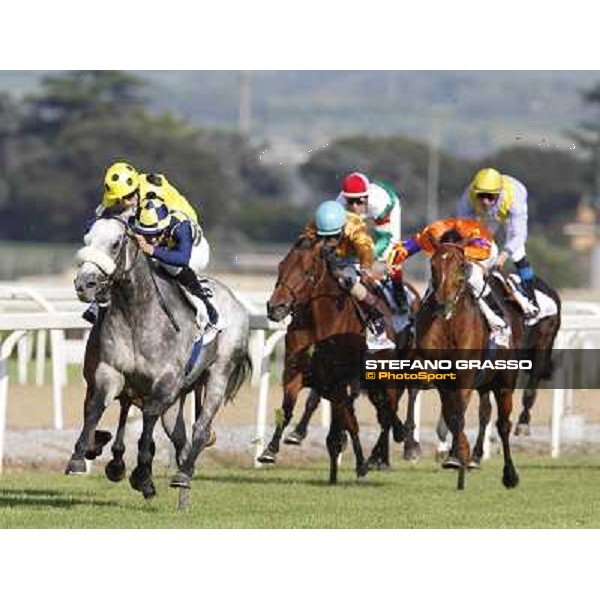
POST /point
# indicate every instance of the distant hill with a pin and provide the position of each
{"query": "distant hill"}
(477, 111)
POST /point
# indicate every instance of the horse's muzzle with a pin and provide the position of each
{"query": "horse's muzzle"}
(277, 312)
(87, 285)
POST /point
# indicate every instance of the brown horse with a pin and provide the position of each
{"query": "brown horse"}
(539, 341)
(336, 330)
(298, 344)
(450, 321)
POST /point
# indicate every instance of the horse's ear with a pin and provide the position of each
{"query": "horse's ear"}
(431, 239)
(304, 243)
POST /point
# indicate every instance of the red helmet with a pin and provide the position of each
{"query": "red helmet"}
(355, 185)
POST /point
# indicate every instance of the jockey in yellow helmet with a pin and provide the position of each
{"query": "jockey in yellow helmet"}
(501, 201)
(124, 187)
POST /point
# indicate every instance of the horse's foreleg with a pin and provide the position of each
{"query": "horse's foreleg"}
(510, 478)
(107, 386)
(115, 468)
(412, 448)
(380, 454)
(351, 425)
(290, 394)
(297, 436)
(454, 405)
(141, 477)
(334, 440)
(441, 430)
(485, 414)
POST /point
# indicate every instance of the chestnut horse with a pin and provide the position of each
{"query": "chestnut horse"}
(450, 321)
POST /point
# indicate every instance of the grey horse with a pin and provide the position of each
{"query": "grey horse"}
(145, 343)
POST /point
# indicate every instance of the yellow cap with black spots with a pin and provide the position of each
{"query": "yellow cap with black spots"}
(121, 180)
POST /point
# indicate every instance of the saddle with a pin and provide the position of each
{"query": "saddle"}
(511, 285)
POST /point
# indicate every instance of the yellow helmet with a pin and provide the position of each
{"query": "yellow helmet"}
(121, 179)
(487, 181)
(152, 217)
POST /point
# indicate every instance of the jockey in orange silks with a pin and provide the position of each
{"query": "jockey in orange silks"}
(481, 252)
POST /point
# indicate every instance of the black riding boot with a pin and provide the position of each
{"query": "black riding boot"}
(376, 319)
(400, 295)
(189, 280)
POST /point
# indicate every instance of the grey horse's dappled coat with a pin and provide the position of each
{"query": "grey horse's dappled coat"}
(146, 347)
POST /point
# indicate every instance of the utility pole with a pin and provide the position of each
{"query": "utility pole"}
(245, 102)
(433, 172)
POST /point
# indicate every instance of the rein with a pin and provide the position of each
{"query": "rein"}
(161, 300)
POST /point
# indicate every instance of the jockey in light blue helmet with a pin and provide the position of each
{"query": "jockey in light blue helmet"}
(330, 218)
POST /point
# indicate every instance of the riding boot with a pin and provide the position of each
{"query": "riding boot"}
(376, 319)
(527, 276)
(400, 294)
(189, 280)
(529, 290)
(494, 315)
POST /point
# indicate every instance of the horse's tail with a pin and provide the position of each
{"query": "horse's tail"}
(241, 372)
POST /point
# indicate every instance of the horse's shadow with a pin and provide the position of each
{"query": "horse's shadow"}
(283, 480)
(14, 498)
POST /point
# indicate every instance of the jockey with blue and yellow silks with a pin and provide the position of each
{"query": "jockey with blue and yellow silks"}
(379, 204)
(501, 201)
(171, 238)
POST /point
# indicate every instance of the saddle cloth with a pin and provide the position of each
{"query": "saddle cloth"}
(202, 316)
(400, 321)
(547, 305)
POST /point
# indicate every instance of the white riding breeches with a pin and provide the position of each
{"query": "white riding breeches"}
(198, 259)
(478, 270)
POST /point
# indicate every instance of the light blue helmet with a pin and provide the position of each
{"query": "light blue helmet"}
(330, 218)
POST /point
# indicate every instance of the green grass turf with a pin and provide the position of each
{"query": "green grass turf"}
(562, 493)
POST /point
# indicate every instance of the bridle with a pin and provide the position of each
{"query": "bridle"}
(448, 306)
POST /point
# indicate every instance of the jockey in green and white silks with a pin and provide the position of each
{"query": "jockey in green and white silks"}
(377, 202)
(501, 201)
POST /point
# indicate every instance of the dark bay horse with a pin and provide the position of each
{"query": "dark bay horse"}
(338, 339)
(451, 321)
(292, 295)
(146, 348)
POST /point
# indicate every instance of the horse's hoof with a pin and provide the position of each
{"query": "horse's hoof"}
(522, 429)
(294, 439)
(412, 452)
(115, 470)
(139, 480)
(212, 438)
(181, 480)
(148, 489)
(399, 433)
(451, 463)
(76, 466)
(268, 457)
(510, 478)
(474, 465)
(101, 438)
(362, 470)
